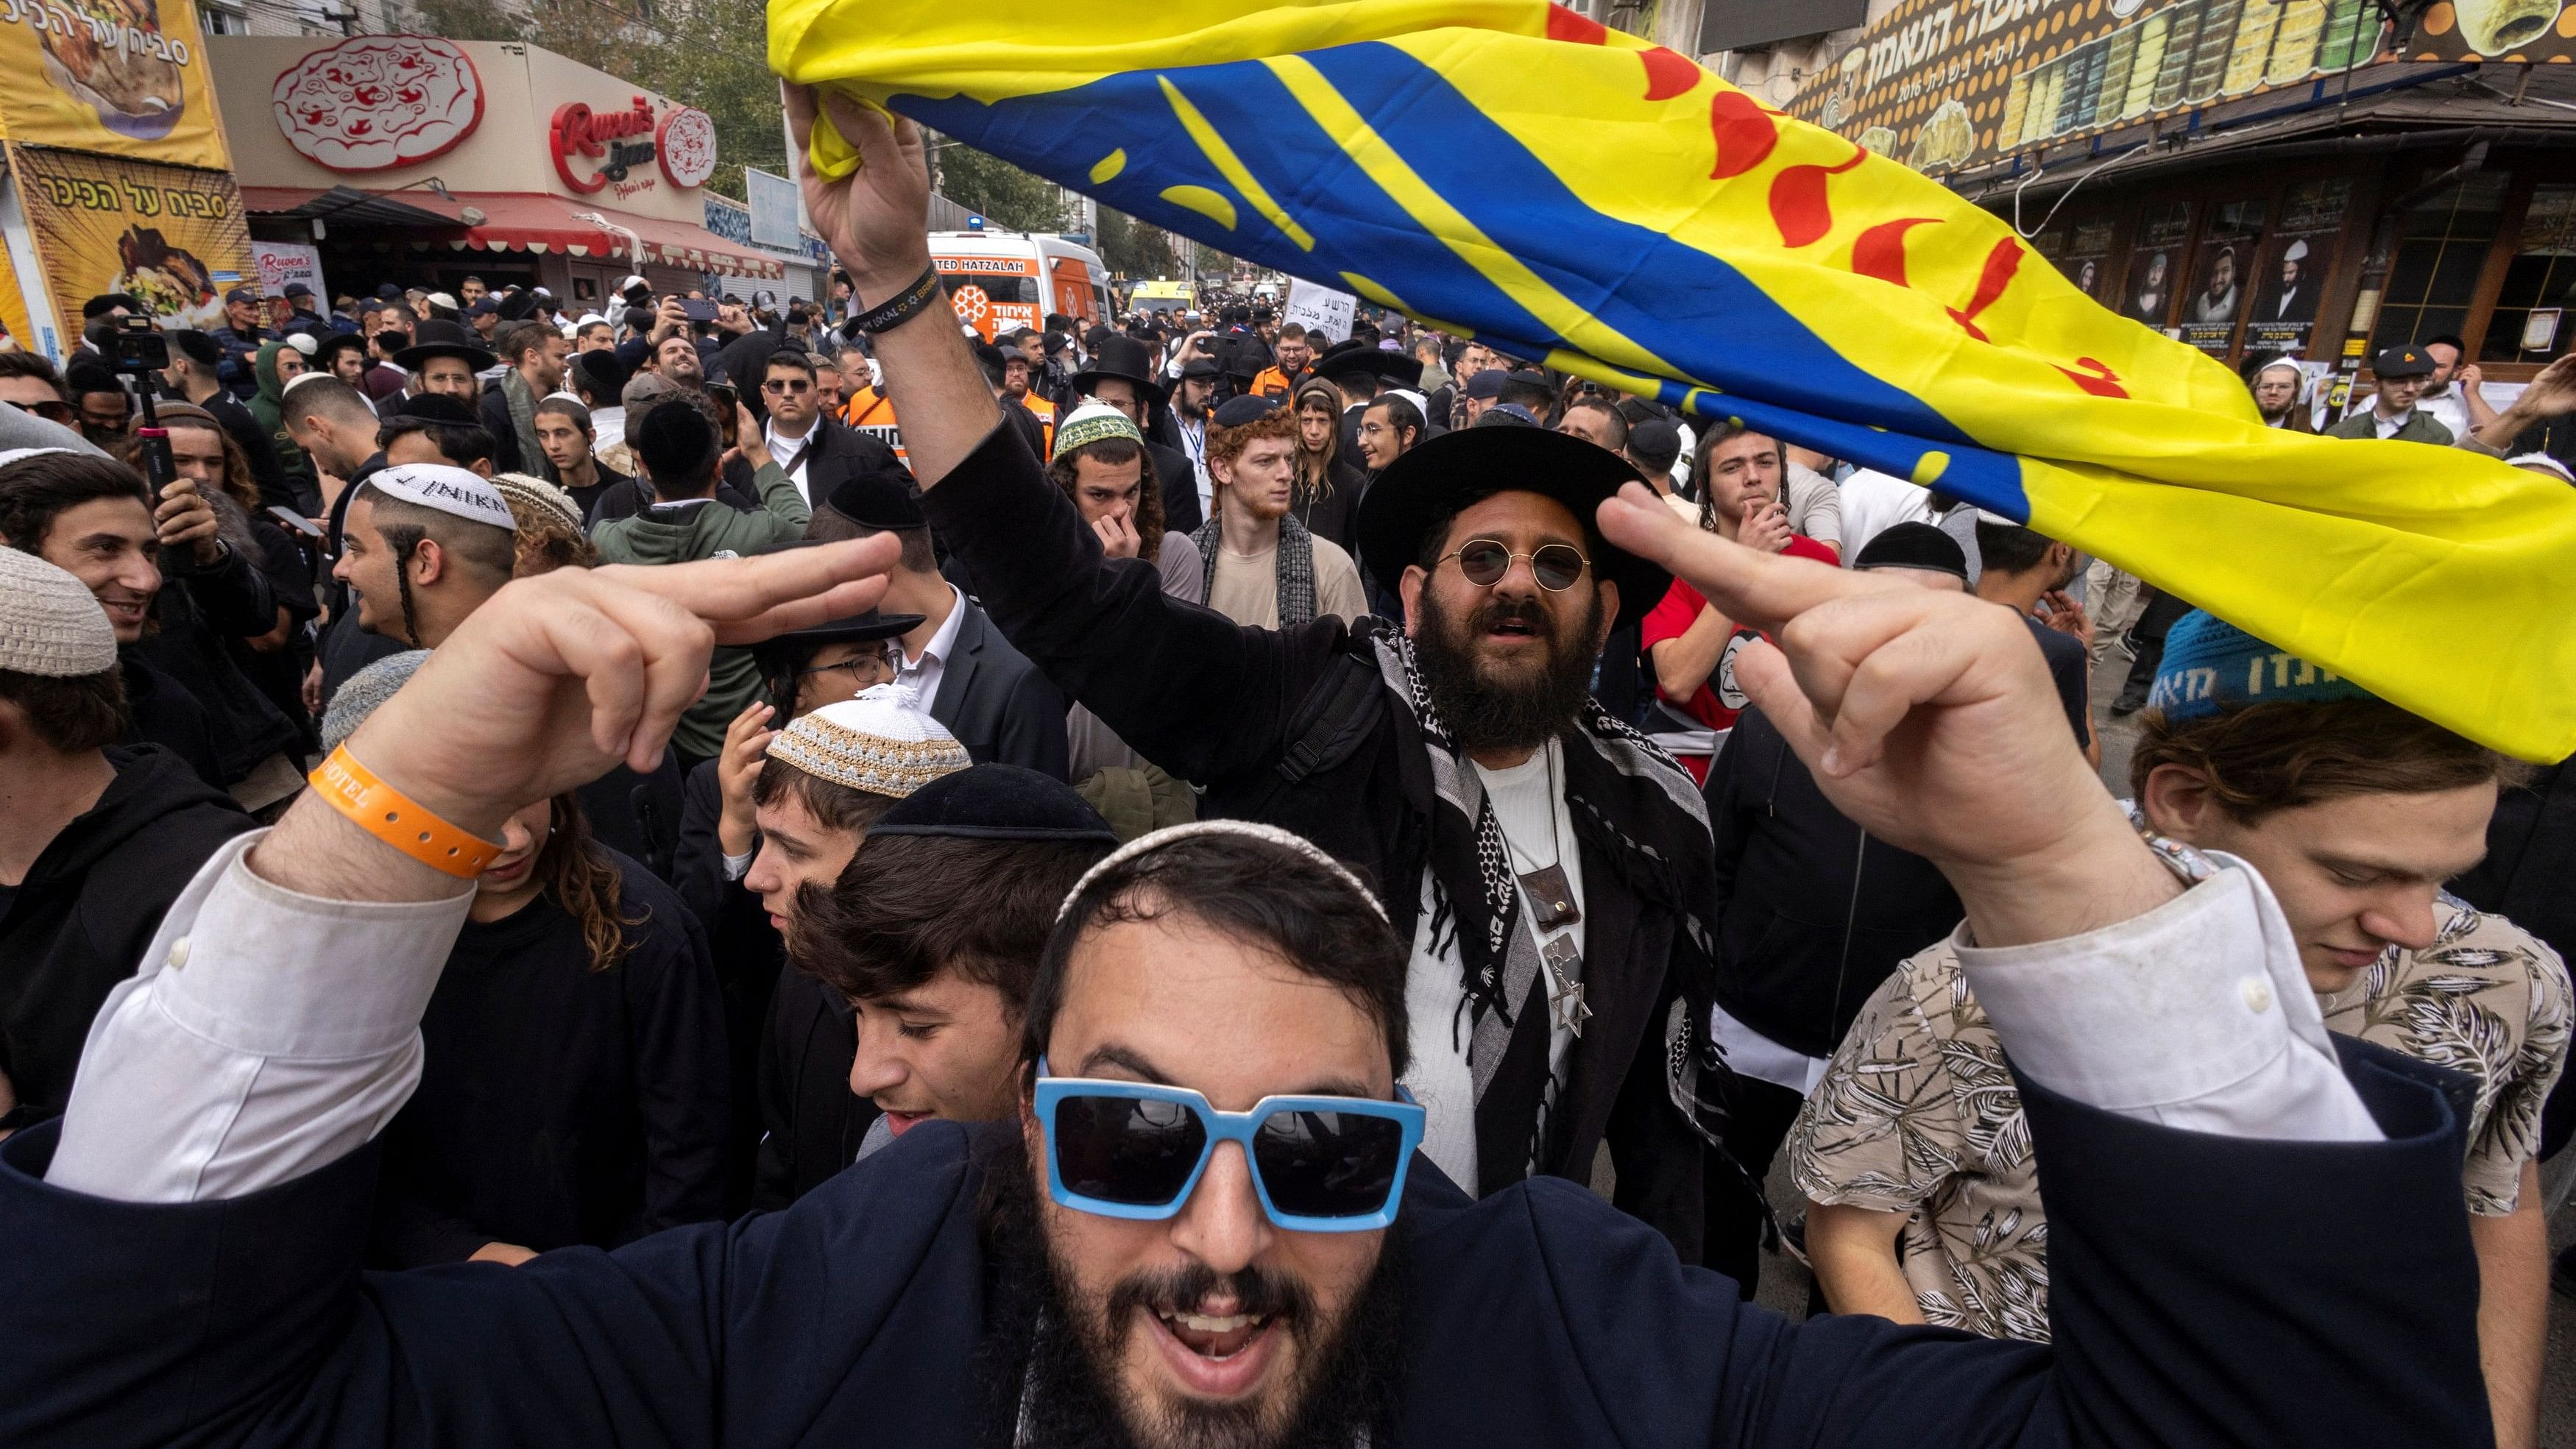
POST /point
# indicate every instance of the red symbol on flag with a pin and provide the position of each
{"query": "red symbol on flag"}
(2101, 381)
(1798, 205)
(1564, 24)
(1745, 134)
(1668, 73)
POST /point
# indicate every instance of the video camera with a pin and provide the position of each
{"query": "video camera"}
(137, 346)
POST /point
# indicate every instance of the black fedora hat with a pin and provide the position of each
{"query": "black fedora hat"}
(1343, 359)
(1123, 357)
(1449, 472)
(439, 338)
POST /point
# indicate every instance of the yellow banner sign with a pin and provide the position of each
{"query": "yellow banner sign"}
(170, 236)
(128, 77)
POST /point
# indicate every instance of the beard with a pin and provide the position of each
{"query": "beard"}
(1520, 711)
(1051, 1361)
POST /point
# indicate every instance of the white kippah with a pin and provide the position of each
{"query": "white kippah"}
(882, 742)
(1242, 829)
(1420, 403)
(539, 494)
(298, 380)
(451, 490)
(50, 623)
(12, 455)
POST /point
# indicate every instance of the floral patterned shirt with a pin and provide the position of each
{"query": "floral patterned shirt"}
(1918, 1114)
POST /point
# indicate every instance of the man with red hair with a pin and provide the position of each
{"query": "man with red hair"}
(1263, 567)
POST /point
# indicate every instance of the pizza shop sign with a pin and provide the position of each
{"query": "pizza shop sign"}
(597, 149)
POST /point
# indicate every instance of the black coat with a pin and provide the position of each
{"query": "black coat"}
(1814, 913)
(837, 454)
(201, 612)
(747, 952)
(80, 921)
(1179, 483)
(2194, 1298)
(558, 1104)
(997, 703)
(507, 456)
(811, 1122)
(1220, 705)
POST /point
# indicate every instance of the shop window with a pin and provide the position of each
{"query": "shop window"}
(2539, 290)
(2442, 245)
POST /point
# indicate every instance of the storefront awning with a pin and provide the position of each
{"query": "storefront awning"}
(510, 221)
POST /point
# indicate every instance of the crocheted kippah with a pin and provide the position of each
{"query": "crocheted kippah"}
(536, 493)
(882, 742)
(1090, 423)
(2210, 665)
(360, 694)
(50, 623)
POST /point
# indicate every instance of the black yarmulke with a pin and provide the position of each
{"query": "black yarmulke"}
(674, 441)
(1240, 410)
(1913, 545)
(996, 802)
(882, 497)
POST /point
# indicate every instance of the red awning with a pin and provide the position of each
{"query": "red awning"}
(537, 222)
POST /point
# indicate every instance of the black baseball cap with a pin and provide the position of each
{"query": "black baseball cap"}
(2404, 362)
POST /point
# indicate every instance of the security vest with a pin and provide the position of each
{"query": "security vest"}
(868, 412)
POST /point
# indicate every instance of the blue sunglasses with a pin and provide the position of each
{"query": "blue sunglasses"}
(1137, 1150)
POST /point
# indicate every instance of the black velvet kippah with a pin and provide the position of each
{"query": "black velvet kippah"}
(1913, 545)
(996, 802)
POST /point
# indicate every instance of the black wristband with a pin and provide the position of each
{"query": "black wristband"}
(902, 308)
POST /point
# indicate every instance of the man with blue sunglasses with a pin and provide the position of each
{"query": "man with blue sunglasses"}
(1210, 1232)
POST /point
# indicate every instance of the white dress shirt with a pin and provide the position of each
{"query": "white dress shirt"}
(789, 453)
(922, 675)
(268, 1033)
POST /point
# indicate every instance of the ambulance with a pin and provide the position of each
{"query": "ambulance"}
(1164, 297)
(1001, 281)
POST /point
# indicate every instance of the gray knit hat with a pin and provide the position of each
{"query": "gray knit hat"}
(646, 389)
(50, 623)
(359, 694)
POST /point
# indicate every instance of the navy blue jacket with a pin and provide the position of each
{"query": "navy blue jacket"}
(2205, 1291)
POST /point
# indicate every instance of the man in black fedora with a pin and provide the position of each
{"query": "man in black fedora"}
(1121, 374)
(1550, 869)
(1362, 370)
(445, 359)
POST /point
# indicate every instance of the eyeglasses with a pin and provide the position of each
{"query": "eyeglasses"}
(1485, 560)
(859, 666)
(792, 386)
(1136, 1150)
(52, 410)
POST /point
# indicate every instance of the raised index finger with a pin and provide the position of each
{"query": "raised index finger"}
(1764, 590)
(758, 596)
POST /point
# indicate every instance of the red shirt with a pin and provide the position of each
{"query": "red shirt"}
(1717, 702)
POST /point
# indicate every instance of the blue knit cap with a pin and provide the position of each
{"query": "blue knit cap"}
(2211, 665)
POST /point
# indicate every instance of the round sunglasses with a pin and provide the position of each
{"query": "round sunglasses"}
(1137, 1150)
(1485, 560)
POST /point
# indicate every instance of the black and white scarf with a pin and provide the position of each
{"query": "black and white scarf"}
(1295, 568)
(1658, 853)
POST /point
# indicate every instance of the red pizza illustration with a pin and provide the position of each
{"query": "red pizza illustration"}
(378, 101)
(687, 144)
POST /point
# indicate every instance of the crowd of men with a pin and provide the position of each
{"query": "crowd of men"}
(1374, 752)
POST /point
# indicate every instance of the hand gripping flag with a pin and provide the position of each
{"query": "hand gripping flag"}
(1509, 170)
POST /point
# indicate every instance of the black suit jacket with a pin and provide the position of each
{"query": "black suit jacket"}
(2206, 1291)
(996, 702)
(837, 454)
(1179, 483)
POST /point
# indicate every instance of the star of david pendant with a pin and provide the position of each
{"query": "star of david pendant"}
(1564, 987)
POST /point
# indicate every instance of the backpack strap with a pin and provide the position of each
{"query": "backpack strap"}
(1336, 715)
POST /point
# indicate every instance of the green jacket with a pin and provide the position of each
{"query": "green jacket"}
(686, 532)
(2421, 427)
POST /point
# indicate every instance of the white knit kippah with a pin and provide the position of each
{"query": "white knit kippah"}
(458, 492)
(882, 742)
(360, 694)
(50, 623)
(1288, 840)
(539, 494)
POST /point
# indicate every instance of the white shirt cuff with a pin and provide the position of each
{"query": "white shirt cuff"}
(738, 866)
(2195, 1015)
(266, 1033)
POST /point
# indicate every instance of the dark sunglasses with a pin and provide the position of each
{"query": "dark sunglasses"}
(792, 386)
(1485, 560)
(52, 410)
(1136, 1150)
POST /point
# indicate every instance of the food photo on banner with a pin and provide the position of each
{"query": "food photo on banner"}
(170, 235)
(124, 77)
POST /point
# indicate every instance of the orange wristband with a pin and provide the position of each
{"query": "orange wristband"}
(399, 821)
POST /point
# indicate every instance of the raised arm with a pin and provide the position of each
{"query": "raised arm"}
(1182, 685)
